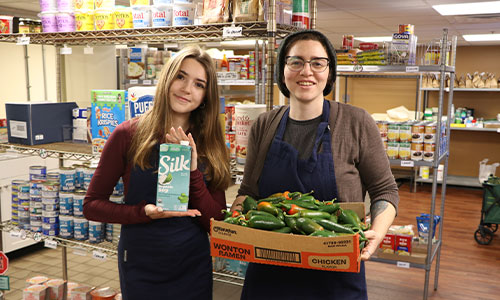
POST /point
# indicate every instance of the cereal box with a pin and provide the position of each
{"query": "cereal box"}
(140, 99)
(108, 111)
(173, 177)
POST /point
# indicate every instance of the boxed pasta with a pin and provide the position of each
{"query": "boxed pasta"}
(108, 111)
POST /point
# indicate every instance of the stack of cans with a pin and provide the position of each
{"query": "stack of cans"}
(35, 205)
(21, 204)
(113, 230)
(50, 208)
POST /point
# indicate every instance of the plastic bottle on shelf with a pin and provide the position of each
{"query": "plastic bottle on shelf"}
(224, 65)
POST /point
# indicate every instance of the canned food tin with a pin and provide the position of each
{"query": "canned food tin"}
(67, 178)
(52, 176)
(393, 132)
(383, 128)
(119, 188)
(109, 232)
(50, 207)
(50, 189)
(23, 203)
(116, 199)
(35, 217)
(404, 151)
(417, 133)
(50, 229)
(50, 220)
(405, 132)
(393, 150)
(417, 151)
(66, 226)
(66, 204)
(50, 214)
(95, 232)
(36, 187)
(78, 176)
(88, 172)
(81, 229)
(231, 143)
(430, 133)
(429, 150)
(78, 203)
(228, 117)
(17, 182)
(50, 200)
(37, 172)
(36, 227)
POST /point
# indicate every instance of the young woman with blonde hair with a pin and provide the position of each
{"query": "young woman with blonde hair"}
(166, 254)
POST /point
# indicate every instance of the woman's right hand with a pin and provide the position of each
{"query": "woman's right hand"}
(155, 212)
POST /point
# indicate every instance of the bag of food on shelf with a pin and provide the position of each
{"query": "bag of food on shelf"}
(215, 11)
(423, 225)
(245, 10)
(486, 170)
(468, 81)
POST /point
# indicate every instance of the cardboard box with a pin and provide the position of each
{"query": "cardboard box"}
(388, 244)
(107, 112)
(140, 100)
(34, 123)
(418, 254)
(260, 246)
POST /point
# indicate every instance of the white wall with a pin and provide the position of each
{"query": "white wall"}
(83, 73)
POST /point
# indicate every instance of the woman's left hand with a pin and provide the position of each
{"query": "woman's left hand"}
(176, 136)
(374, 239)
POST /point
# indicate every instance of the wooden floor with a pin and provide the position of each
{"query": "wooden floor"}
(467, 269)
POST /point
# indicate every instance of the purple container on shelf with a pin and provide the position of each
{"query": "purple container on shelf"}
(48, 5)
(65, 21)
(49, 22)
(64, 5)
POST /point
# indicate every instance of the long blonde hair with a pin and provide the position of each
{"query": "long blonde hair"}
(204, 122)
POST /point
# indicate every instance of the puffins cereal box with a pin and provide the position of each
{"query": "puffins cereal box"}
(173, 177)
(140, 100)
(108, 111)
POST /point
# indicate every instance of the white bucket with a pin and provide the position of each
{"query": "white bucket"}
(49, 22)
(161, 15)
(246, 114)
(183, 14)
(65, 5)
(48, 5)
(142, 16)
(65, 21)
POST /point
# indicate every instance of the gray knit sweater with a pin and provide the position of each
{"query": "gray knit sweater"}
(360, 161)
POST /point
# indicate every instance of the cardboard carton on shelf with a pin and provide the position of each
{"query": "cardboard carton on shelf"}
(35, 123)
(260, 246)
(418, 254)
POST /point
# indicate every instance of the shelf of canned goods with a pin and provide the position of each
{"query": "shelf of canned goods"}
(192, 33)
(73, 151)
(106, 247)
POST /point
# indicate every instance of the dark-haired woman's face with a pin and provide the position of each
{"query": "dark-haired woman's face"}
(306, 85)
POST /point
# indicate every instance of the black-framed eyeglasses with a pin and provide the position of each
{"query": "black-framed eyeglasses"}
(296, 64)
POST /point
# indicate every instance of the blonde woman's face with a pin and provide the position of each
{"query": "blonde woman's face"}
(189, 87)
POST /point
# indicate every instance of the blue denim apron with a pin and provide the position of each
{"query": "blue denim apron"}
(164, 259)
(283, 170)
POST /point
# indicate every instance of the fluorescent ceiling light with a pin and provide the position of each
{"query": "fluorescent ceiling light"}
(491, 7)
(372, 39)
(481, 37)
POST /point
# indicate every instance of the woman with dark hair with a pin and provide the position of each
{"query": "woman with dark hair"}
(166, 254)
(314, 144)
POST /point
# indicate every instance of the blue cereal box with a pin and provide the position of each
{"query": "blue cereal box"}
(108, 111)
(140, 100)
(173, 177)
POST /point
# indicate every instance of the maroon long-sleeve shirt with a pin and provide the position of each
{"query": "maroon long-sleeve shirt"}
(115, 164)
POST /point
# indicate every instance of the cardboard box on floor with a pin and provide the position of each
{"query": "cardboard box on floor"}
(261, 246)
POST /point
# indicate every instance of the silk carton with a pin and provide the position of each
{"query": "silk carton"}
(173, 177)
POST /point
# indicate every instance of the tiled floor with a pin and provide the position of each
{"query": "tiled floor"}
(38, 260)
